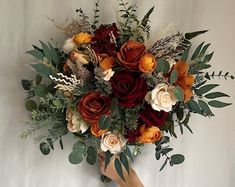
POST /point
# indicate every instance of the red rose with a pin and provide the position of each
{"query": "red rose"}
(152, 117)
(92, 106)
(132, 135)
(129, 88)
(101, 42)
(130, 54)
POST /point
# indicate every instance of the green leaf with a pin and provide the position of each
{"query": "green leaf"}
(145, 20)
(38, 79)
(124, 162)
(166, 150)
(118, 167)
(216, 95)
(206, 88)
(194, 106)
(53, 54)
(61, 144)
(50, 143)
(204, 49)
(91, 155)
(185, 54)
(42, 69)
(205, 108)
(218, 104)
(30, 105)
(46, 50)
(75, 158)
(40, 90)
(177, 159)
(36, 53)
(179, 94)
(192, 35)
(104, 122)
(180, 113)
(174, 76)
(128, 153)
(163, 66)
(164, 164)
(108, 156)
(208, 57)
(44, 148)
(80, 147)
(26, 84)
(197, 51)
(114, 104)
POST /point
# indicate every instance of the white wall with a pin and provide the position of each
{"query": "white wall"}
(210, 151)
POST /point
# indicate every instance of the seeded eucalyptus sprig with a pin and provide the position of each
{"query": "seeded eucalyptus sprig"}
(219, 75)
(96, 15)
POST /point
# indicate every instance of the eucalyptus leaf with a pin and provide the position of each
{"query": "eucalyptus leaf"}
(108, 156)
(26, 84)
(75, 158)
(118, 167)
(164, 164)
(205, 108)
(206, 88)
(36, 53)
(197, 51)
(174, 76)
(177, 159)
(124, 162)
(40, 90)
(185, 54)
(163, 66)
(91, 155)
(128, 153)
(214, 95)
(50, 143)
(179, 94)
(79, 147)
(218, 104)
(180, 113)
(30, 105)
(208, 57)
(192, 35)
(204, 49)
(44, 148)
(42, 69)
(38, 79)
(194, 107)
(104, 122)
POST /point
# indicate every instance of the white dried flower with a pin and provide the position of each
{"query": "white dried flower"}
(69, 45)
(108, 74)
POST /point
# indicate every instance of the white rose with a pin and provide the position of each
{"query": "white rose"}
(75, 123)
(108, 74)
(112, 142)
(69, 45)
(161, 98)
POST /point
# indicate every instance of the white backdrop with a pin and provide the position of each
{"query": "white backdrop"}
(209, 152)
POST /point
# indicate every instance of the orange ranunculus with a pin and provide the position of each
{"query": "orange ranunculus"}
(130, 54)
(185, 80)
(92, 106)
(82, 38)
(147, 63)
(107, 62)
(149, 134)
(96, 131)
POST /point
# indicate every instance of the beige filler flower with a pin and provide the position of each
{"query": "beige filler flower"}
(161, 98)
(112, 142)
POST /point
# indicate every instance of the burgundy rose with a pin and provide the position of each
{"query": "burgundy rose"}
(129, 88)
(152, 117)
(102, 41)
(131, 135)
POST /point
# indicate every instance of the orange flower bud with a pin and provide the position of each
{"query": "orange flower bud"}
(82, 38)
(149, 134)
(96, 131)
(147, 63)
(107, 62)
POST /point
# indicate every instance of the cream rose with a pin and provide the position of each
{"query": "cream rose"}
(69, 45)
(75, 123)
(161, 98)
(112, 142)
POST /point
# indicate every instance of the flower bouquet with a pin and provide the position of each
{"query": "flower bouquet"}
(108, 89)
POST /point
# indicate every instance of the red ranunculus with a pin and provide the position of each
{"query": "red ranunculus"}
(152, 117)
(101, 42)
(129, 88)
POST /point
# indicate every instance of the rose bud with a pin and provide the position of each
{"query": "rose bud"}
(147, 63)
(149, 134)
(82, 38)
(79, 57)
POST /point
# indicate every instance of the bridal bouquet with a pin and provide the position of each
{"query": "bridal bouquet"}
(114, 92)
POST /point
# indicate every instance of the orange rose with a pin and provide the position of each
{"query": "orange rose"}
(82, 38)
(92, 106)
(96, 131)
(185, 80)
(130, 54)
(147, 63)
(149, 134)
(107, 62)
